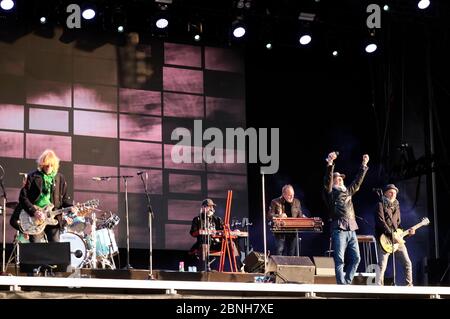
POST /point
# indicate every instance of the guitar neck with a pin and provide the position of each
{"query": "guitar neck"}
(404, 233)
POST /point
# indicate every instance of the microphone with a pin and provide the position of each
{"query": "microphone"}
(101, 178)
(337, 153)
(23, 174)
(140, 172)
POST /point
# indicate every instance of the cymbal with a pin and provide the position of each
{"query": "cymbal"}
(11, 204)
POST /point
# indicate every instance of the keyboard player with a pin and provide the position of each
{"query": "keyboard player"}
(285, 206)
(203, 227)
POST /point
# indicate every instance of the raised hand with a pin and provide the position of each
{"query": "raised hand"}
(331, 157)
(365, 159)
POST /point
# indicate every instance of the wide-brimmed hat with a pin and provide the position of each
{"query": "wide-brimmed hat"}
(208, 202)
(336, 174)
(390, 186)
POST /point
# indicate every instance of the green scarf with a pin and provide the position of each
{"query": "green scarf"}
(45, 197)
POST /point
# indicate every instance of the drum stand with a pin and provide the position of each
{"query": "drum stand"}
(108, 262)
(15, 254)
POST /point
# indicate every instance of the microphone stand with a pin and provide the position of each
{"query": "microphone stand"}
(125, 179)
(392, 242)
(150, 226)
(128, 266)
(4, 224)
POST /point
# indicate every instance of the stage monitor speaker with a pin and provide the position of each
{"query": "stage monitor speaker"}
(254, 262)
(324, 266)
(54, 256)
(292, 269)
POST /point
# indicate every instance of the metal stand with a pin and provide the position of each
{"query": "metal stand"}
(125, 179)
(150, 224)
(128, 266)
(206, 247)
(264, 220)
(15, 254)
(3, 211)
(297, 240)
(94, 241)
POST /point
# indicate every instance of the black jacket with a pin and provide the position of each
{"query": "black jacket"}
(198, 223)
(339, 202)
(388, 217)
(29, 194)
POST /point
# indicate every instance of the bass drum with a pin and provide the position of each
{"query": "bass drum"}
(78, 249)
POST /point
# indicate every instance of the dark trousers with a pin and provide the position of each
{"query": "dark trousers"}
(51, 232)
(286, 244)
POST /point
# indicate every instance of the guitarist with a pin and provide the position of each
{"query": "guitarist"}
(387, 222)
(43, 186)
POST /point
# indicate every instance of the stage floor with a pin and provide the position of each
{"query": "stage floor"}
(107, 284)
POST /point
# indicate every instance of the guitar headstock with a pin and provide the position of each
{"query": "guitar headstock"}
(86, 207)
(425, 221)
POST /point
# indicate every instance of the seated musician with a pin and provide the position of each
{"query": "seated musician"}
(286, 206)
(43, 186)
(205, 220)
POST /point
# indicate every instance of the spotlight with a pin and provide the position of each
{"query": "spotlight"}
(269, 46)
(119, 19)
(239, 32)
(305, 39)
(88, 14)
(43, 20)
(423, 4)
(371, 42)
(306, 19)
(371, 47)
(386, 7)
(7, 4)
(335, 53)
(195, 29)
(161, 17)
(162, 23)
(238, 28)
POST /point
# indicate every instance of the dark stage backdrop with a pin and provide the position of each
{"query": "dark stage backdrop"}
(111, 111)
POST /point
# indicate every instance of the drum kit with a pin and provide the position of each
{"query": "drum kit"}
(92, 240)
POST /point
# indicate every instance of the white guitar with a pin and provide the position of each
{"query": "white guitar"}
(32, 226)
(386, 242)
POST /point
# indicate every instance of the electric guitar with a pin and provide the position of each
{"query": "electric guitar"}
(32, 226)
(386, 242)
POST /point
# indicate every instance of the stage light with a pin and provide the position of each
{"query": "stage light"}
(371, 42)
(306, 19)
(162, 23)
(269, 46)
(423, 4)
(335, 53)
(7, 4)
(305, 39)
(238, 28)
(88, 14)
(120, 28)
(195, 29)
(386, 7)
(371, 47)
(43, 20)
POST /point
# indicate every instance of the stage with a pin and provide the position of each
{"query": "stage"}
(110, 284)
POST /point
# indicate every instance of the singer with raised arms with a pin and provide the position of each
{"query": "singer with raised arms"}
(43, 187)
(338, 198)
